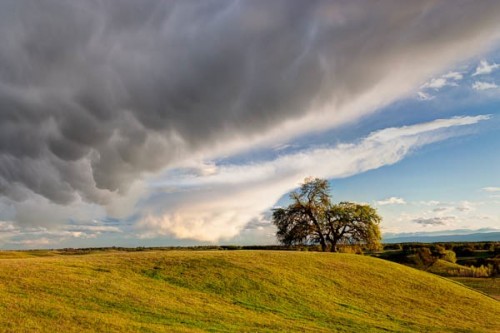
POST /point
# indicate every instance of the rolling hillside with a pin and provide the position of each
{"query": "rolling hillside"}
(232, 291)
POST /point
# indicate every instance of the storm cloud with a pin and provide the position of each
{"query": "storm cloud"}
(96, 94)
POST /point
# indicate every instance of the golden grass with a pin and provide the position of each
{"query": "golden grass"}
(232, 291)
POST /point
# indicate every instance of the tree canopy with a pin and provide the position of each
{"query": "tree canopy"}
(312, 218)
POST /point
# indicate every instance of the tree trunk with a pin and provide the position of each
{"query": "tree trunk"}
(323, 243)
(322, 240)
(334, 245)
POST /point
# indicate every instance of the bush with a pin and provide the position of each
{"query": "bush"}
(478, 272)
(439, 250)
(449, 256)
(422, 258)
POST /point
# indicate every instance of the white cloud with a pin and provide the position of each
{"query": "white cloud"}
(456, 76)
(491, 189)
(479, 85)
(485, 68)
(35, 243)
(423, 96)
(391, 201)
(430, 203)
(218, 206)
(435, 83)
(13, 234)
(448, 79)
(7, 226)
(441, 215)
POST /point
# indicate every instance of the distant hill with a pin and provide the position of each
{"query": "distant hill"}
(231, 291)
(475, 237)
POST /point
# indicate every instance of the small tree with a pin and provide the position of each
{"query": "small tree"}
(311, 218)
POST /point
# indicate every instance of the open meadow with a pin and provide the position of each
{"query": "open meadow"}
(231, 291)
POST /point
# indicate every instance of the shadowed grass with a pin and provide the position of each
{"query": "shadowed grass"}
(489, 286)
(244, 291)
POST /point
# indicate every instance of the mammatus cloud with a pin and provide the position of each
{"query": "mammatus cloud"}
(391, 201)
(219, 205)
(479, 85)
(95, 94)
(485, 68)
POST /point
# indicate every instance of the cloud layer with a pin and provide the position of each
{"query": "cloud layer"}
(94, 94)
(215, 206)
(485, 68)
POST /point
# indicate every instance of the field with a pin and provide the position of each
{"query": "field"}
(488, 286)
(231, 291)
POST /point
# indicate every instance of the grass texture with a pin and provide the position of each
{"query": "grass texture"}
(231, 291)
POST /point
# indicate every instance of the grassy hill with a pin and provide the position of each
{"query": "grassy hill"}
(232, 291)
(445, 268)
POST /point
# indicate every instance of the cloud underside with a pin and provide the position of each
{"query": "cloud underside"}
(219, 205)
(434, 220)
(93, 95)
(96, 97)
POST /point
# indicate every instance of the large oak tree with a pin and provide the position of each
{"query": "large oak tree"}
(312, 218)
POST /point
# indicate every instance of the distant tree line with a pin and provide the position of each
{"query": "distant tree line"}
(480, 259)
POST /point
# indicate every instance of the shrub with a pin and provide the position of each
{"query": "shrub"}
(450, 256)
(478, 272)
(440, 250)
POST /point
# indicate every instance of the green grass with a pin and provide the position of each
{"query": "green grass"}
(445, 268)
(489, 286)
(232, 291)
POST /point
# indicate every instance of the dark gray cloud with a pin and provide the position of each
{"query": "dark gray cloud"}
(435, 220)
(95, 93)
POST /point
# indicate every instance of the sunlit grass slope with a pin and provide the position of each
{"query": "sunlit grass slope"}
(233, 291)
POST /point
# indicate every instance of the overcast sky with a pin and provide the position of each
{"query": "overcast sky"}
(144, 123)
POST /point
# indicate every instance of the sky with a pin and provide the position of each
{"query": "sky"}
(169, 123)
